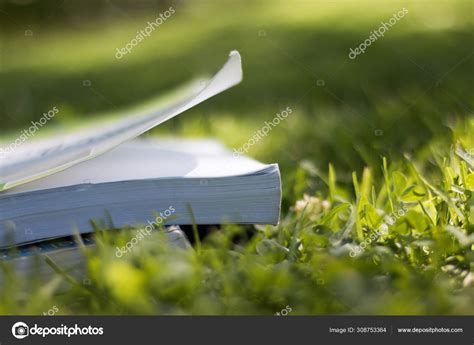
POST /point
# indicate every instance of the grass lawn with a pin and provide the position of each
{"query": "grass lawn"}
(377, 157)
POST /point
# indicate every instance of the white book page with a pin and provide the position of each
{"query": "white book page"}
(32, 161)
(142, 159)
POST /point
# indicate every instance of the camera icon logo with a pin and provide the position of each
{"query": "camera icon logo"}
(20, 330)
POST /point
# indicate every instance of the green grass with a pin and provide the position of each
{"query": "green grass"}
(388, 134)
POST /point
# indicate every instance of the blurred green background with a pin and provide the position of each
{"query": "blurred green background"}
(409, 86)
(409, 94)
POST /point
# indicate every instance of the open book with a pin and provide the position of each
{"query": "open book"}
(53, 187)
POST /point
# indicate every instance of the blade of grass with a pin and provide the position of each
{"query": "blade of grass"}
(388, 184)
(197, 238)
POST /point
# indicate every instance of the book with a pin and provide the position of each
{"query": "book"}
(53, 187)
(69, 252)
(183, 181)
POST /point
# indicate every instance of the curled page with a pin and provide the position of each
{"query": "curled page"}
(31, 161)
